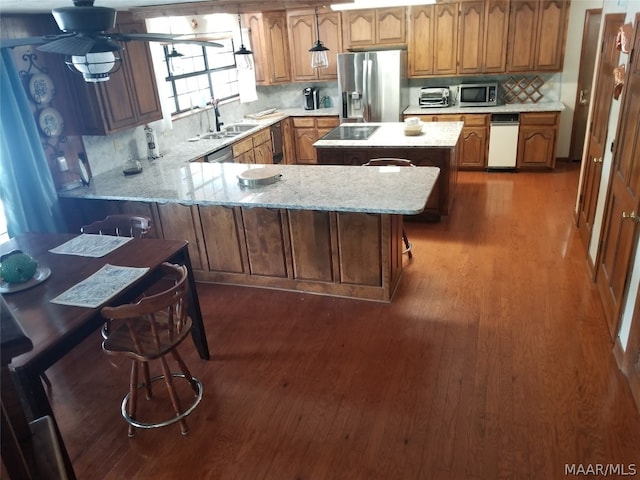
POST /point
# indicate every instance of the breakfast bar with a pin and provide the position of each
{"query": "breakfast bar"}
(333, 230)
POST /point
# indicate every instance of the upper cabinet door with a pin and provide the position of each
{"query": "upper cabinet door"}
(270, 46)
(375, 26)
(522, 35)
(302, 36)
(496, 34)
(552, 30)
(470, 36)
(537, 35)
(433, 40)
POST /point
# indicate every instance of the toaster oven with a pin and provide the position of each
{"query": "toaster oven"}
(434, 97)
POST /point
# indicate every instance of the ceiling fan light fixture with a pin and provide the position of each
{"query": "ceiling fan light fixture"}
(98, 64)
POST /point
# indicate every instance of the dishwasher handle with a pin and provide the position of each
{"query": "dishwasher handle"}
(505, 118)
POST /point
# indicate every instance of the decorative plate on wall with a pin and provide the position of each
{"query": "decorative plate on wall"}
(50, 122)
(41, 88)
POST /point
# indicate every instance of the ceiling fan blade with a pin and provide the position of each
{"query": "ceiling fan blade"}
(75, 45)
(160, 37)
(19, 42)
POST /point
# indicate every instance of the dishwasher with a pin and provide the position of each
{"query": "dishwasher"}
(223, 155)
(503, 141)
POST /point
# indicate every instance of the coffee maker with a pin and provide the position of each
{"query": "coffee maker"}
(311, 98)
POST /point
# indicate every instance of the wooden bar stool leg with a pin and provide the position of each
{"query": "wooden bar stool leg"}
(133, 395)
(185, 371)
(147, 380)
(168, 380)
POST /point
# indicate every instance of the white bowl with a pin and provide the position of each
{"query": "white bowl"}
(412, 130)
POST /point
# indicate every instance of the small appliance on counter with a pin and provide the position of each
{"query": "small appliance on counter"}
(434, 97)
(478, 94)
(311, 98)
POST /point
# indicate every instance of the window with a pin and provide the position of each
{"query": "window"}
(196, 74)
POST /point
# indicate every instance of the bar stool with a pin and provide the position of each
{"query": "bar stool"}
(398, 162)
(150, 330)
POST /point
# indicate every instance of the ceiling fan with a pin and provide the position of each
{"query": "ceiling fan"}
(85, 38)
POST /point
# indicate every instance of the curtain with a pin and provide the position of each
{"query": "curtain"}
(26, 187)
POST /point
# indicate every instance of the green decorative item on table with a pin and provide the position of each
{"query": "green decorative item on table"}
(17, 267)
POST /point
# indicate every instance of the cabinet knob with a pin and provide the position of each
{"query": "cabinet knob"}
(631, 215)
(597, 160)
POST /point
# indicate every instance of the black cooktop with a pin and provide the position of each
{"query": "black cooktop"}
(351, 132)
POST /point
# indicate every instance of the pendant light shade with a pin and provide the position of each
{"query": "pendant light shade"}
(243, 55)
(319, 58)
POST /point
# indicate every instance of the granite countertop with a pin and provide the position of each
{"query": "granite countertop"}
(434, 135)
(197, 147)
(393, 190)
(510, 108)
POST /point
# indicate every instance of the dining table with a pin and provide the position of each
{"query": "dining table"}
(54, 329)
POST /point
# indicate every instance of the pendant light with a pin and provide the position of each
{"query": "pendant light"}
(243, 58)
(319, 57)
(171, 57)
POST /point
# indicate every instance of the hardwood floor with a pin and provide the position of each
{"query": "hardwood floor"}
(493, 361)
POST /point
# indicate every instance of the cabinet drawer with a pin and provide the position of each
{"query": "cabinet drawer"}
(449, 118)
(327, 122)
(261, 137)
(538, 118)
(242, 146)
(305, 122)
(475, 120)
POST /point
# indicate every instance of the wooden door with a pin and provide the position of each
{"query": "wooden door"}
(522, 35)
(620, 232)
(602, 98)
(470, 35)
(253, 22)
(588, 53)
(631, 356)
(496, 31)
(182, 222)
(223, 235)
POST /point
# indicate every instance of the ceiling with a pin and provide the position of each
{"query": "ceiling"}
(168, 7)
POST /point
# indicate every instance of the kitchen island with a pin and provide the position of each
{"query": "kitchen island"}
(333, 230)
(436, 146)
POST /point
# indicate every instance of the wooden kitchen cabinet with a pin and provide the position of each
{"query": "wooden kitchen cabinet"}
(537, 35)
(482, 36)
(269, 38)
(473, 147)
(130, 97)
(302, 36)
(537, 140)
(224, 238)
(306, 131)
(433, 40)
(375, 26)
(254, 149)
(182, 222)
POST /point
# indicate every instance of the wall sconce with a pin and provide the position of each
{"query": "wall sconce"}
(98, 63)
(243, 56)
(319, 57)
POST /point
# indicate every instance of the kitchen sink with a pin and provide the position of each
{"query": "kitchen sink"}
(211, 135)
(238, 128)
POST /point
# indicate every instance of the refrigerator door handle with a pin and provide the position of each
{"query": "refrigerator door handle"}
(366, 85)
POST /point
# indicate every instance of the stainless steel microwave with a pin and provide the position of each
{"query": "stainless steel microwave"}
(477, 94)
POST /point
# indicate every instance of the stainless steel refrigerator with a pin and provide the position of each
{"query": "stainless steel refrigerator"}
(373, 86)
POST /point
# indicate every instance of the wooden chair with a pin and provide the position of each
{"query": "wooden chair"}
(120, 225)
(399, 162)
(150, 330)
